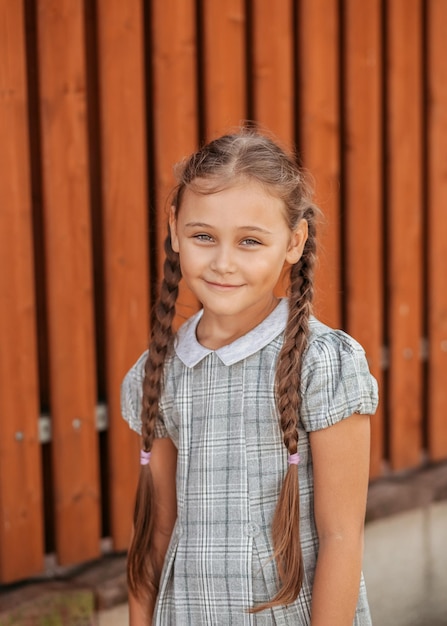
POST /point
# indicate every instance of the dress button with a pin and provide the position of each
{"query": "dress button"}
(252, 529)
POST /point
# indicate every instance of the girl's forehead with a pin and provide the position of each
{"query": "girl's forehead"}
(242, 203)
(243, 188)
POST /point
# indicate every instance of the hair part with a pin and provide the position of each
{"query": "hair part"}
(246, 155)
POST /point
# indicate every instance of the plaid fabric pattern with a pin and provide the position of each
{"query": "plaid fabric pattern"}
(220, 413)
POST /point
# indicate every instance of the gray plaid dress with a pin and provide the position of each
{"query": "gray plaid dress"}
(219, 410)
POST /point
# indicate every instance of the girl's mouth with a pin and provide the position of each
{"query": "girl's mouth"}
(224, 286)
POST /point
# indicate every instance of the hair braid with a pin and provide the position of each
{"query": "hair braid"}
(288, 369)
(162, 335)
(285, 524)
(142, 573)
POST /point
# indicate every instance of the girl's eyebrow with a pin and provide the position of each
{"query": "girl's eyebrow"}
(197, 225)
(257, 229)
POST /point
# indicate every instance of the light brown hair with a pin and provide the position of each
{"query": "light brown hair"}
(218, 165)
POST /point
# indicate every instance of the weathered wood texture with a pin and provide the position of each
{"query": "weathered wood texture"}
(436, 242)
(69, 278)
(125, 232)
(404, 227)
(98, 101)
(318, 71)
(21, 522)
(362, 153)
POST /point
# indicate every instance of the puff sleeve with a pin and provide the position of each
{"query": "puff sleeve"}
(131, 398)
(336, 381)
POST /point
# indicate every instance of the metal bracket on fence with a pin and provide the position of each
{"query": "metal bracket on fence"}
(45, 432)
(44, 429)
(102, 419)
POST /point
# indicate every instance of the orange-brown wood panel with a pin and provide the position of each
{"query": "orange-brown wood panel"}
(319, 122)
(21, 513)
(224, 65)
(437, 235)
(363, 190)
(125, 222)
(175, 110)
(404, 212)
(273, 78)
(273, 68)
(69, 279)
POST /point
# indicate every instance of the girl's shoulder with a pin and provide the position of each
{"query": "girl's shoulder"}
(323, 337)
(335, 381)
(131, 393)
(331, 348)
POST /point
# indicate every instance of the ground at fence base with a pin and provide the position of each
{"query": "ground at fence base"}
(93, 596)
(118, 616)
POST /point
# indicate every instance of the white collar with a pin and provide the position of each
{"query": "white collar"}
(191, 352)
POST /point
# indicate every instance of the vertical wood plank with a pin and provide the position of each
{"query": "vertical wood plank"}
(318, 33)
(69, 279)
(273, 80)
(175, 110)
(437, 232)
(125, 220)
(404, 202)
(363, 190)
(224, 65)
(21, 514)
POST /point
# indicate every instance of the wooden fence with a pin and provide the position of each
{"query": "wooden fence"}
(98, 98)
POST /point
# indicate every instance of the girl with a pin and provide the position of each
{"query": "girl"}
(254, 416)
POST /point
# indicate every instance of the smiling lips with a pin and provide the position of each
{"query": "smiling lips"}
(223, 286)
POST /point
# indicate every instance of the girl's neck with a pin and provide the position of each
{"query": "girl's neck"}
(214, 332)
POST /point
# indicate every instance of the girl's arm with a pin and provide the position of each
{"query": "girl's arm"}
(163, 466)
(341, 468)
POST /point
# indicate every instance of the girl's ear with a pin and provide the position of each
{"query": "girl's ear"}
(297, 242)
(173, 229)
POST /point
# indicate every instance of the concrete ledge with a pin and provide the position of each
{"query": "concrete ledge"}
(118, 616)
(49, 604)
(73, 599)
(396, 493)
(405, 567)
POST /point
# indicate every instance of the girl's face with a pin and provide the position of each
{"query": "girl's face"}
(233, 245)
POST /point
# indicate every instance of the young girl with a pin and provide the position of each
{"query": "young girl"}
(254, 416)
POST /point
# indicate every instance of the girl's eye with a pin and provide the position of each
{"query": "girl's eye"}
(250, 242)
(203, 237)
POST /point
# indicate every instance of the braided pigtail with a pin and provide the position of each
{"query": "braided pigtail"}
(142, 571)
(285, 524)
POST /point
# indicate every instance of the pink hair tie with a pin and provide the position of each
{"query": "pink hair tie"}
(145, 457)
(293, 459)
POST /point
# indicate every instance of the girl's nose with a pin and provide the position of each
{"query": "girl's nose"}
(222, 261)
